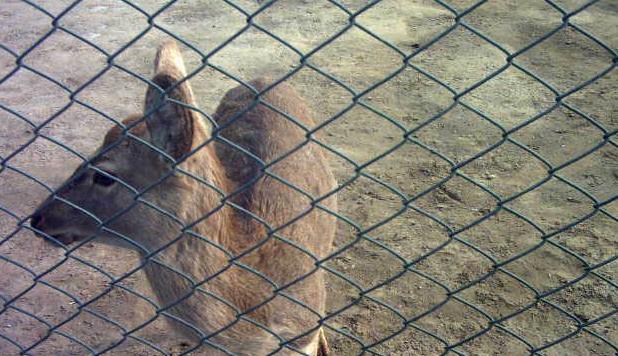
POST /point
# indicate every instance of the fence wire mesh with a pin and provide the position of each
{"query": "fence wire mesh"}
(518, 258)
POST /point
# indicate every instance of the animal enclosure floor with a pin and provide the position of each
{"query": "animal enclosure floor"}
(391, 266)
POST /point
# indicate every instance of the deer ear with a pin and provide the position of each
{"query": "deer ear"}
(169, 118)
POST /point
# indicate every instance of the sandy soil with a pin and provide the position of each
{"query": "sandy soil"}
(398, 245)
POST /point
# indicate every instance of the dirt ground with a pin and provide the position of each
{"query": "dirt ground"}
(429, 292)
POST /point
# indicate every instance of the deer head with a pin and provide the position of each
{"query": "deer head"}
(130, 191)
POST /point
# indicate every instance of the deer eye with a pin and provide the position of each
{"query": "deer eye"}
(102, 179)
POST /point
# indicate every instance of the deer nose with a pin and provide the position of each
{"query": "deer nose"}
(36, 221)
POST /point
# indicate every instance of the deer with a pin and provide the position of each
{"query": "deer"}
(231, 217)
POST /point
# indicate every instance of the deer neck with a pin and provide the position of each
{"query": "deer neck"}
(185, 269)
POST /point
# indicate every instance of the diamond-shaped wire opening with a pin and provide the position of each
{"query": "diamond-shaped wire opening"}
(7, 62)
(233, 60)
(79, 273)
(570, 49)
(405, 25)
(37, 87)
(21, 280)
(359, 123)
(592, 21)
(602, 329)
(499, 295)
(410, 98)
(588, 300)
(411, 235)
(81, 328)
(458, 203)
(503, 235)
(381, 262)
(410, 293)
(61, 47)
(410, 167)
(507, 169)
(319, 21)
(368, 320)
(59, 341)
(497, 340)
(25, 25)
(483, 59)
(460, 134)
(459, 272)
(545, 205)
(532, 325)
(593, 101)
(511, 28)
(537, 268)
(49, 314)
(560, 136)
(21, 161)
(583, 339)
(76, 129)
(595, 173)
(325, 107)
(591, 238)
(414, 340)
(364, 193)
(511, 98)
(69, 313)
(12, 321)
(100, 30)
(93, 100)
(211, 22)
(11, 211)
(454, 321)
(358, 52)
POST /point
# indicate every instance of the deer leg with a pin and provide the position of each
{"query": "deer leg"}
(323, 349)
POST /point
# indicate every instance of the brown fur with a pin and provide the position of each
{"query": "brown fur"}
(254, 216)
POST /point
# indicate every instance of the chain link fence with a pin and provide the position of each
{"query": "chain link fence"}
(463, 228)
